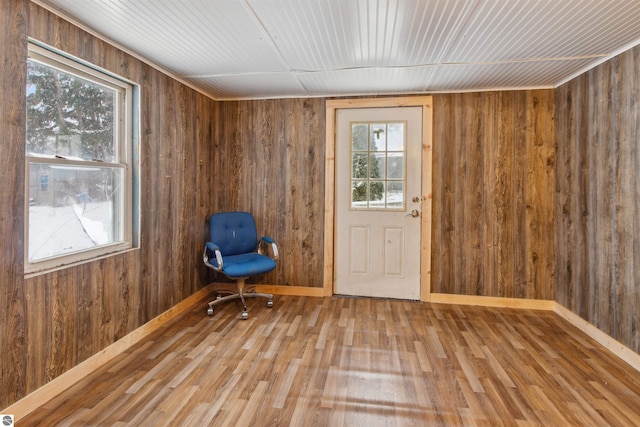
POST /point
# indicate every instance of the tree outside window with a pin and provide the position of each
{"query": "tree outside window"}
(79, 170)
(377, 172)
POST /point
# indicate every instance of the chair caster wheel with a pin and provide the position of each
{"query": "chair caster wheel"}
(245, 315)
(270, 303)
(210, 311)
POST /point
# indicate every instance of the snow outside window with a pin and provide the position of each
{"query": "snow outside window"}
(78, 153)
(378, 158)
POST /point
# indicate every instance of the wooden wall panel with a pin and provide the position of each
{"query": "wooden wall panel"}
(52, 322)
(272, 161)
(493, 194)
(539, 181)
(597, 197)
(13, 56)
(198, 156)
(493, 185)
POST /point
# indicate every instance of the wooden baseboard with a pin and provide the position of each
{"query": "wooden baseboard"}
(299, 291)
(614, 346)
(530, 304)
(33, 400)
(291, 290)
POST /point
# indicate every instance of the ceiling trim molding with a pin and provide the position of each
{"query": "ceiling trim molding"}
(600, 61)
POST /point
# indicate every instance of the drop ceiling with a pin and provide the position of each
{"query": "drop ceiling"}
(249, 49)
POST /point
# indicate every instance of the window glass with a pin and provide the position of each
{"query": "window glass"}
(378, 137)
(69, 116)
(78, 153)
(378, 165)
(78, 208)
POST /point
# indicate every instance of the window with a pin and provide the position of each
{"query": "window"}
(79, 168)
(378, 165)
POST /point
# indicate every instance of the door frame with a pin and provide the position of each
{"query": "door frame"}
(426, 102)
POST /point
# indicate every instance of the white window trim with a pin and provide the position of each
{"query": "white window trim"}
(123, 153)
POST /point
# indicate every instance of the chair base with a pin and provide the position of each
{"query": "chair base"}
(242, 293)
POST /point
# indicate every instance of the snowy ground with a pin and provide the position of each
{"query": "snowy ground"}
(65, 229)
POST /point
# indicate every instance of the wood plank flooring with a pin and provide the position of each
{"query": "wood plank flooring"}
(356, 362)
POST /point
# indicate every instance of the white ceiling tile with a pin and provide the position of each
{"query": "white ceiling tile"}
(191, 37)
(336, 34)
(528, 74)
(367, 81)
(284, 48)
(500, 30)
(246, 86)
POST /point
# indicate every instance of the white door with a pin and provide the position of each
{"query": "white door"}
(378, 190)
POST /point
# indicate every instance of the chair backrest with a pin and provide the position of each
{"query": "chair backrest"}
(234, 232)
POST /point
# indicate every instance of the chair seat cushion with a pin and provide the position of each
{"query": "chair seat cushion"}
(244, 265)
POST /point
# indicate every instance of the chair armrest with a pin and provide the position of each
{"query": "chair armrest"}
(209, 249)
(272, 243)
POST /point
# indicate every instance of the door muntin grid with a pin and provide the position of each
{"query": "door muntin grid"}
(378, 165)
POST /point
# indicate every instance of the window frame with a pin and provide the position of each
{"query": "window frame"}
(125, 144)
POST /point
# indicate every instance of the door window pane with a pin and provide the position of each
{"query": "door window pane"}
(360, 166)
(395, 138)
(359, 194)
(395, 194)
(395, 165)
(378, 137)
(378, 165)
(359, 137)
(376, 194)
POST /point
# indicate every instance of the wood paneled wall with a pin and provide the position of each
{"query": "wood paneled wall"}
(197, 156)
(498, 230)
(493, 187)
(493, 175)
(52, 322)
(597, 197)
(13, 56)
(271, 163)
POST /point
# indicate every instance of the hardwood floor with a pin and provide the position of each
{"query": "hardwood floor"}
(356, 362)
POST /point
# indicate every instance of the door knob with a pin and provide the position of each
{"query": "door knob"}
(414, 213)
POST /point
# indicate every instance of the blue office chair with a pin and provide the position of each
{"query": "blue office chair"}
(234, 250)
